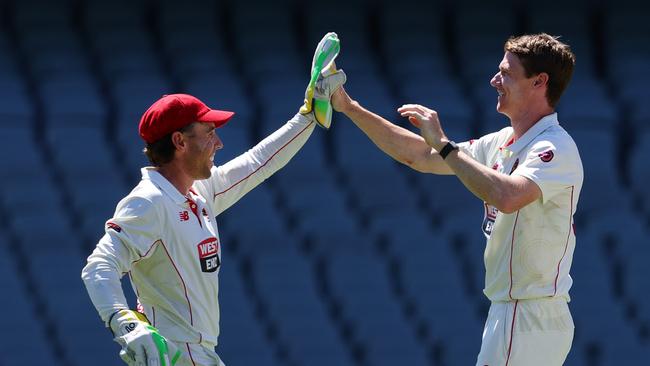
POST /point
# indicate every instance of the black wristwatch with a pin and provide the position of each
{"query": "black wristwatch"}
(451, 146)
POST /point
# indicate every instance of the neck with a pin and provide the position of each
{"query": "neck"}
(522, 123)
(177, 177)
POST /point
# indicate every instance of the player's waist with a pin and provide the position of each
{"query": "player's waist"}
(529, 292)
(189, 335)
(194, 329)
(539, 314)
(558, 299)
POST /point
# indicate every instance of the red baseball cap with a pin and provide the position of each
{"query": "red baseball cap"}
(175, 111)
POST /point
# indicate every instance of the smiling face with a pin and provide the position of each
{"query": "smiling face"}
(202, 144)
(514, 89)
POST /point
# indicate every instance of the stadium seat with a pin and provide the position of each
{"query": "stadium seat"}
(480, 38)
(573, 27)
(280, 275)
(124, 51)
(411, 40)
(591, 278)
(267, 234)
(223, 90)
(639, 171)
(281, 97)
(30, 194)
(429, 270)
(102, 15)
(585, 105)
(85, 339)
(360, 285)
(49, 15)
(446, 198)
(25, 321)
(16, 108)
(273, 54)
(598, 150)
(443, 95)
(86, 180)
(242, 338)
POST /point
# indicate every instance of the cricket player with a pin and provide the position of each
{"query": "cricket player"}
(164, 233)
(529, 176)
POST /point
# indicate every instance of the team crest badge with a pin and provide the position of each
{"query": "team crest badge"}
(546, 156)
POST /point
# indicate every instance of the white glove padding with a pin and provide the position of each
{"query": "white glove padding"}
(322, 66)
(142, 344)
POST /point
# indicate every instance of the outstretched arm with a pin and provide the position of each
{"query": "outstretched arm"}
(399, 143)
(505, 192)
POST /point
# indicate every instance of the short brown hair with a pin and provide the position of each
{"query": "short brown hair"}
(544, 53)
(162, 151)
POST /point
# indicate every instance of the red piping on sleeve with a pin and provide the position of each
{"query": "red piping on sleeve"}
(266, 162)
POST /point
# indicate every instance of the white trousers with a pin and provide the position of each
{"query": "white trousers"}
(527, 333)
(194, 354)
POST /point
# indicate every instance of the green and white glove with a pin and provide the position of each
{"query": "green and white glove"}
(142, 344)
(325, 80)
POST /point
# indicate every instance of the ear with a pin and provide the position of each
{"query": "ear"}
(178, 140)
(541, 80)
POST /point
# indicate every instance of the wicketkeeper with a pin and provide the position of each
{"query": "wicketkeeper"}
(164, 233)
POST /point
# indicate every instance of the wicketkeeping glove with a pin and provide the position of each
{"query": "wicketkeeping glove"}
(141, 343)
(325, 80)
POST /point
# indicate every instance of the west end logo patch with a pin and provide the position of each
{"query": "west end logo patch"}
(209, 254)
(546, 156)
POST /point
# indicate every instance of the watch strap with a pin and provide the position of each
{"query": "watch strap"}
(451, 146)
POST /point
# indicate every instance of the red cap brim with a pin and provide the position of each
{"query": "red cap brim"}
(219, 118)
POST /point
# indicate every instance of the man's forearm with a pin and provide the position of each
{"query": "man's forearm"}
(508, 194)
(104, 288)
(483, 182)
(399, 143)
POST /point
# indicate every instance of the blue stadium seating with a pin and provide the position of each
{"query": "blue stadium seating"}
(360, 285)
(243, 340)
(222, 90)
(344, 256)
(639, 170)
(313, 339)
(22, 319)
(598, 149)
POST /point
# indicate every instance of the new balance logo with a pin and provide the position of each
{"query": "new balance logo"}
(184, 215)
(130, 327)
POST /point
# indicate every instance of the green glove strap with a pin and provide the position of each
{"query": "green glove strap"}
(163, 349)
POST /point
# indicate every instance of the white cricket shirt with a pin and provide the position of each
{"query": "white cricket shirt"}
(529, 252)
(169, 243)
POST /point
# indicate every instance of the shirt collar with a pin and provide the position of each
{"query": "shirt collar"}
(161, 182)
(539, 127)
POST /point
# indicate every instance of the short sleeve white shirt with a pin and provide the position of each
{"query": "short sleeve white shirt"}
(529, 252)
